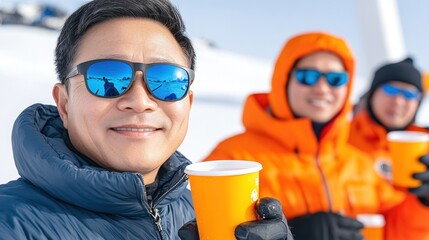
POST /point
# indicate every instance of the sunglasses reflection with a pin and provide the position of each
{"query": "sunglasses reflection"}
(109, 88)
(111, 91)
(172, 96)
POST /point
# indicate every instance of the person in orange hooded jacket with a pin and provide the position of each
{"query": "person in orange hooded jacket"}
(299, 131)
(390, 104)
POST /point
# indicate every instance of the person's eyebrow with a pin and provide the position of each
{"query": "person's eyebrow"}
(112, 56)
(161, 59)
(154, 59)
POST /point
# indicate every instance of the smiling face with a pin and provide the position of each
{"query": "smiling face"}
(134, 132)
(320, 102)
(394, 112)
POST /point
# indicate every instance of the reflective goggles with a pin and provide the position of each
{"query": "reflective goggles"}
(310, 77)
(110, 78)
(392, 90)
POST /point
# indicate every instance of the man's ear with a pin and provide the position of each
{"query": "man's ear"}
(59, 92)
(191, 97)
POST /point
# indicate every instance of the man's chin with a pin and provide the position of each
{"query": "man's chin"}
(396, 125)
(320, 119)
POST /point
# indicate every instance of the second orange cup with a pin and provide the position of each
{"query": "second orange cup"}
(405, 148)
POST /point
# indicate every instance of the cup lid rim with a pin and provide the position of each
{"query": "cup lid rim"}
(371, 220)
(407, 136)
(222, 168)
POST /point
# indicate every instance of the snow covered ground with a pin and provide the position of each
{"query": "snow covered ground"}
(223, 79)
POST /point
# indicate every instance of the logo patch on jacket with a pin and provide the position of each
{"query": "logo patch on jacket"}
(384, 168)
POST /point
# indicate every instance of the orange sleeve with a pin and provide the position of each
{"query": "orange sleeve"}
(223, 152)
(408, 220)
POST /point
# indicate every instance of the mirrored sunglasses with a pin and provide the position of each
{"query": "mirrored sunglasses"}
(310, 77)
(110, 78)
(392, 90)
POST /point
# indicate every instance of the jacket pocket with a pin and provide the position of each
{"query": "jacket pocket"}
(362, 198)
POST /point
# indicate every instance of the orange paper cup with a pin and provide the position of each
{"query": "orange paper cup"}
(405, 148)
(373, 226)
(224, 193)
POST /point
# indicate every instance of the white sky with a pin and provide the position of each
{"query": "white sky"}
(259, 28)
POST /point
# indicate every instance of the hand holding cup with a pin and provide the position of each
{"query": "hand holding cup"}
(406, 148)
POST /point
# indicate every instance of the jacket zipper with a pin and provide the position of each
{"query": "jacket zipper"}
(154, 212)
(325, 183)
(156, 217)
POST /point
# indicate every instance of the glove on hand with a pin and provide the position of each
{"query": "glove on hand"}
(423, 190)
(325, 226)
(189, 231)
(271, 224)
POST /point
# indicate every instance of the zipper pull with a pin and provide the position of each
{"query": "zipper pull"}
(157, 218)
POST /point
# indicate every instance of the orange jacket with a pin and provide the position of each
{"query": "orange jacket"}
(370, 137)
(306, 174)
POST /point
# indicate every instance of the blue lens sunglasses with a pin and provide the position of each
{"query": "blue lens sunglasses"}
(392, 90)
(310, 77)
(111, 78)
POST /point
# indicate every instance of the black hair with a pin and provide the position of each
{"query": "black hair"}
(98, 11)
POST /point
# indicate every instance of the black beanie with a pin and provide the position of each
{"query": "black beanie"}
(403, 71)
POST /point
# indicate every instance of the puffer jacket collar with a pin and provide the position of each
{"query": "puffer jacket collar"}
(42, 157)
(369, 130)
(295, 135)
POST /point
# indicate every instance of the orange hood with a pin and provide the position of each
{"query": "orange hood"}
(300, 134)
(296, 48)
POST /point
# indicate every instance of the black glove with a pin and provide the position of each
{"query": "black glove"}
(189, 231)
(423, 190)
(325, 226)
(272, 224)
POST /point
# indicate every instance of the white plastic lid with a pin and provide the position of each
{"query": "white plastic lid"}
(371, 220)
(223, 168)
(407, 136)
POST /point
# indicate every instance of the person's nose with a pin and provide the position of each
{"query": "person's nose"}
(137, 98)
(322, 85)
(399, 100)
